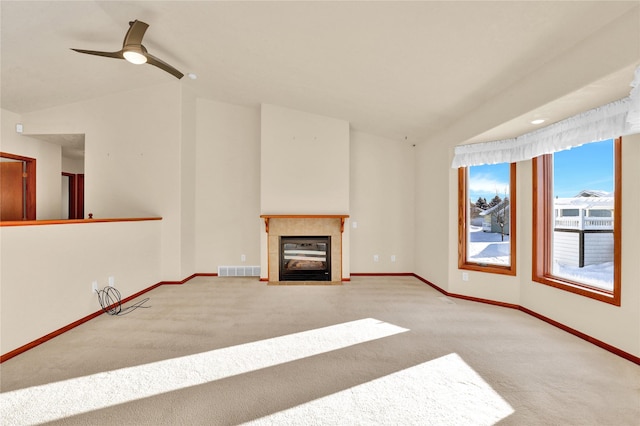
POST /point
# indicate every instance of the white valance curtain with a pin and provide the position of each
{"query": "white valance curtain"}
(633, 119)
(619, 118)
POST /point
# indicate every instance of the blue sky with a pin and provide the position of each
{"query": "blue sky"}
(488, 180)
(588, 166)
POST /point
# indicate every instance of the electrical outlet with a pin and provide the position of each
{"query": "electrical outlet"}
(94, 286)
(465, 276)
(393, 257)
(112, 282)
(376, 258)
(243, 258)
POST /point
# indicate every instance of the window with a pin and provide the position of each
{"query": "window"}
(487, 218)
(577, 220)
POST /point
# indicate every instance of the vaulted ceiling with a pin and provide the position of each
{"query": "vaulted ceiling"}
(397, 69)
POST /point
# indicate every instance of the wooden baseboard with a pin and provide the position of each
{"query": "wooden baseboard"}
(89, 317)
(49, 336)
(592, 340)
(383, 274)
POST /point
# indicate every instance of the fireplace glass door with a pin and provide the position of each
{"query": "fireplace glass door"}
(305, 258)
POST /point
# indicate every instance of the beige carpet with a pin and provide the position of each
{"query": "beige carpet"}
(377, 350)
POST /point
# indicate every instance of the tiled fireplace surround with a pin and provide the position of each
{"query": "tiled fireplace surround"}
(304, 225)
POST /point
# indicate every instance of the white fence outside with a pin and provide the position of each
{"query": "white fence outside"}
(583, 223)
(597, 248)
(566, 248)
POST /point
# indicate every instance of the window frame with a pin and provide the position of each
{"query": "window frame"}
(463, 214)
(543, 228)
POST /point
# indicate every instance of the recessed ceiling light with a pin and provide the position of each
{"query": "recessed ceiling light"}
(538, 121)
(192, 76)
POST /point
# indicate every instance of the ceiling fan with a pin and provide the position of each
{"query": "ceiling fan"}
(133, 50)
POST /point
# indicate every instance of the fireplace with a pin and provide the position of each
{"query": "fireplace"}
(329, 227)
(305, 258)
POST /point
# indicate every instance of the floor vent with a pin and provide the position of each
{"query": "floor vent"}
(238, 271)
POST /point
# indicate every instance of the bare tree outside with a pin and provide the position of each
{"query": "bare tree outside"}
(501, 215)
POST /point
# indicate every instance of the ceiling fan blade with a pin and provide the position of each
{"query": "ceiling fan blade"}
(133, 43)
(117, 54)
(135, 33)
(164, 66)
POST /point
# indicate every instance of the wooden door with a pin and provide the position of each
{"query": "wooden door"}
(12, 199)
(69, 194)
(80, 197)
(27, 191)
(75, 195)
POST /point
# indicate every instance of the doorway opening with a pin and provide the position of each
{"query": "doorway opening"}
(72, 195)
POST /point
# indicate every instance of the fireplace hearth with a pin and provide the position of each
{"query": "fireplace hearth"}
(305, 258)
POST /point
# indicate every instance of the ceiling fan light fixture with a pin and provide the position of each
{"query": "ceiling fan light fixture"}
(133, 51)
(135, 55)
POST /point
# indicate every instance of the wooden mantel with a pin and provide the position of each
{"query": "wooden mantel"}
(266, 218)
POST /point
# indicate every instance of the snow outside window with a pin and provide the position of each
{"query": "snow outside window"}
(487, 222)
(577, 220)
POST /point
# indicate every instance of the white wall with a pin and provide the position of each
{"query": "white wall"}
(433, 198)
(227, 185)
(48, 164)
(304, 169)
(137, 165)
(497, 287)
(47, 272)
(382, 194)
(437, 228)
(616, 325)
(73, 165)
(304, 166)
(132, 158)
(187, 183)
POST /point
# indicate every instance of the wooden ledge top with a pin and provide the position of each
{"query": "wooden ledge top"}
(73, 221)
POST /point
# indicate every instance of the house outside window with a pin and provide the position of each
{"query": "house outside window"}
(486, 225)
(577, 232)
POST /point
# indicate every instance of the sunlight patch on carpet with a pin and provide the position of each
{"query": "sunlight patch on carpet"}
(444, 391)
(59, 400)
